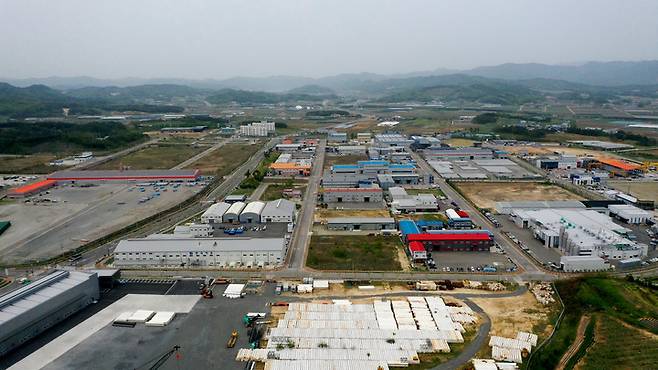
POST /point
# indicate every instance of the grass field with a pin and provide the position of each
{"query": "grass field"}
(27, 164)
(486, 194)
(643, 155)
(225, 159)
(617, 345)
(612, 300)
(161, 156)
(330, 160)
(436, 191)
(644, 190)
(354, 252)
(275, 191)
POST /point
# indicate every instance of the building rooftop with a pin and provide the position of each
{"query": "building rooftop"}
(279, 206)
(121, 175)
(241, 244)
(361, 220)
(626, 166)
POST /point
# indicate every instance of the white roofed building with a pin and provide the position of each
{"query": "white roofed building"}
(213, 215)
(280, 210)
(251, 212)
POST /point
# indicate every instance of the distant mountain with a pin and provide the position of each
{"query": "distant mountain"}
(312, 90)
(227, 96)
(42, 101)
(130, 93)
(592, 73)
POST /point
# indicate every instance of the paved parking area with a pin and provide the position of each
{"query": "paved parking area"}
(537, 250)
(464, 261)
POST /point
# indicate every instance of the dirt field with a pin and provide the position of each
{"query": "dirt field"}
(27, 164)
(457, 142)
(330, 160)
(223, 160)
(163, 156)
(486, 194)
(644, 190)
(513, 314)
(324, 214)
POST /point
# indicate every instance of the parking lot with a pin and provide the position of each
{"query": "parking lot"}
(67, 216)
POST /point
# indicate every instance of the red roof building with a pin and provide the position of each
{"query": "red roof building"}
(29, 189)
(417, 251)
(454, 242)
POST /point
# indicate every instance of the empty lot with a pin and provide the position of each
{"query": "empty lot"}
(224, 160)
(486, 194)
(644, 190)
(153, 157)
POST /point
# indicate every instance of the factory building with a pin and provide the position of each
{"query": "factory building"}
(251, 212)
(583, 264)
(351, 149)
(194, 230)
(480, 241)
(124, 176)
(280, 210)
(293, 147)
(31, 189)
(563, 162)
(630, 214)
(389, 140)
(337, 137)
(360, 223)
(352, 195)
(620, 168)
(214, 214)
(33, 308)
(290, 169)
(403, 202)
(417, 251)
(364, 137)
(232, 214)
(452, 154)
(209, 252)
(342, 180)
(579, 233)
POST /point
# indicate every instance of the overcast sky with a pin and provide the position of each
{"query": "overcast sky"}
(219, 39)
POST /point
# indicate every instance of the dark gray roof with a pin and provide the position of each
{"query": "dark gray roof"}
(109, 174)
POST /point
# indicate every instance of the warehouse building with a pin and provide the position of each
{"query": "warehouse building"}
(351, 149)
(290, 169)
(31, 189)
(157, 251)
(214, 214)
(337, 137)
(583, 264)
(125, 175)
(480, 241)
(232, 214)
(251, 212)
(389, 140)
(561, 162)
(630, 214)
(352, 195)
(360, 223)
(194, 230)
(617, 167)
(580, 233)
(417, 251)
(403, 202)
(280, 210)
(31, 309)
(451, 154)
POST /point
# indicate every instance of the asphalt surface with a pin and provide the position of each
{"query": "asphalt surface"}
(301, 234)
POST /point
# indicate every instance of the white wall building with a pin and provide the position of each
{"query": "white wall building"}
(156, 251)
(579, 233)
(194, 230)
(404, 202)
(251, 213)
(262, 128)
(630, 214)
(583, 264)
(213, 215)
(233, 213)
(280, 210)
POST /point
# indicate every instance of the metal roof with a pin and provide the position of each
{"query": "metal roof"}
(242, 244)
(121, 175)
(279, 207)
(408, 227)
(361, 220)
(236, 208)
(254, 207)
(27, 297)
(449, 237)
(217, 210)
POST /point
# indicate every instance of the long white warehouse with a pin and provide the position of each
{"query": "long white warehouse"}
(196, 252)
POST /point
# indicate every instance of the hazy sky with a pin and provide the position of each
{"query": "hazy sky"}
(218, 38)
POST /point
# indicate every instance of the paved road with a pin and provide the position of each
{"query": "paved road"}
(512, 250)
(300, 239)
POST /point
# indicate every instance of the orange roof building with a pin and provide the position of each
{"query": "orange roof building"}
(290, 169)
(29, 189)
(620, 165)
